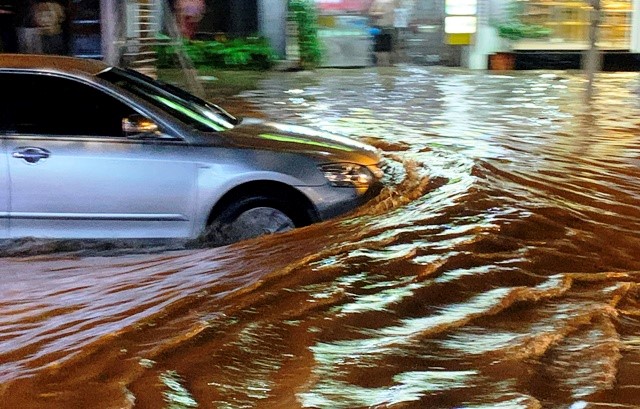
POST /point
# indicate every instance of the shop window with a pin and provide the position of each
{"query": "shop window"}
(569, 23)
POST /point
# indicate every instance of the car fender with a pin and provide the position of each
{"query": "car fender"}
(210, 190)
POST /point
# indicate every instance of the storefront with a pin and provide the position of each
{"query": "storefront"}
(383, 32)
(77, 27)
(568, 24)
(555, 34)
(344, 30)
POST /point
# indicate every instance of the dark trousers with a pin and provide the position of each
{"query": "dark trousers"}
(383, 43)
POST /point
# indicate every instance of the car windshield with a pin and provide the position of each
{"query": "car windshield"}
(188, 108)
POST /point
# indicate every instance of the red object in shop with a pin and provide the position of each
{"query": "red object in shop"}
(502, 61)
(344, 5)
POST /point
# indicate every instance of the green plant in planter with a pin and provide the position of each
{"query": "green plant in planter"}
(514, 29)
(304, 13)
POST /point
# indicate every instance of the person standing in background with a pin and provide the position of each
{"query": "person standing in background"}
(189, 13)
(49, 16)
(28, 33)
(382, 14)
(390, 18)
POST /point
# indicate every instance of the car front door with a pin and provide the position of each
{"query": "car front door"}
(73, 174)
(4, 187)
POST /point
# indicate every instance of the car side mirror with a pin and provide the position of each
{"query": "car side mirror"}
(138, 127)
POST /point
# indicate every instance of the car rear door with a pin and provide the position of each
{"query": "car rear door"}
(74, 175)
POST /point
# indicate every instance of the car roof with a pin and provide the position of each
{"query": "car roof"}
(51, 62)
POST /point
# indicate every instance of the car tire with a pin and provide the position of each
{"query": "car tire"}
(251, 216)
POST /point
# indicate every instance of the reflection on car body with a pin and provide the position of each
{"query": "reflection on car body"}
(94, 151)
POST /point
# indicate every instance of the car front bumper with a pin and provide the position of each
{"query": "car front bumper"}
(331, 201)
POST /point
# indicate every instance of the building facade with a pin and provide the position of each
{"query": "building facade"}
(80, 28)
(431, 32)
(92, 28)
(541, 33)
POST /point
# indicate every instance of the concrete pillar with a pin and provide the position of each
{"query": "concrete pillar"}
(486, 39)
(272, 23)
(109, 16)
(487, 42)
(635, 26)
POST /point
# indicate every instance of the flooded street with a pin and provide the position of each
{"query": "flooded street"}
(498, 268)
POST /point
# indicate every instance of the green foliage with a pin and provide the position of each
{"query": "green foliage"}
(304, 13)
(253, 53)
(514, 29)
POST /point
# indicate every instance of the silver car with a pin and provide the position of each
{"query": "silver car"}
(95, 151)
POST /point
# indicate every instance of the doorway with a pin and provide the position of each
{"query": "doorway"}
(84, 36)
(232, 17)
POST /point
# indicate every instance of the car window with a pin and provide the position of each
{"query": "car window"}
(45, 104)
(187, 108)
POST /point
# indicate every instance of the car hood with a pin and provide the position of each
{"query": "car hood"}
(260, 134)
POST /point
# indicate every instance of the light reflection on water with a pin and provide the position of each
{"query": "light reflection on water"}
(498, 268)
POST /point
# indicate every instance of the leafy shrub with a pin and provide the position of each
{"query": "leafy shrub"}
(253, 53)
(304, 13)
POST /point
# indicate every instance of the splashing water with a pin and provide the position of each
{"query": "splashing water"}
(498, 268)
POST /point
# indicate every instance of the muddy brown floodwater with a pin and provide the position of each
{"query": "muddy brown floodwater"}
(497, 269)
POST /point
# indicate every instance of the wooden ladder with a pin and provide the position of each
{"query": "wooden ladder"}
(144, 26)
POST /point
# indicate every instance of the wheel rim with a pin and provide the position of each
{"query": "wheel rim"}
(259, 221)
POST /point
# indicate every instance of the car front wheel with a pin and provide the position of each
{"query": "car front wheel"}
(251, 216)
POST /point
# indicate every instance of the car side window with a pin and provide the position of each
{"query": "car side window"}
(45, 104)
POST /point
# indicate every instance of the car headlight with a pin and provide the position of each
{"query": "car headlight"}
(348, 175)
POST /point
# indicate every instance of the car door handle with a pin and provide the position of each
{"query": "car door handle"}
(31, 154)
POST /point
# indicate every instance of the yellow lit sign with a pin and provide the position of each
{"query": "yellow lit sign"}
(458, 39)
